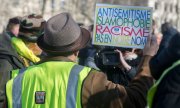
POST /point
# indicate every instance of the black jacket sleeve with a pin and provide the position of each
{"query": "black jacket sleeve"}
(5, 68)
(166, 57)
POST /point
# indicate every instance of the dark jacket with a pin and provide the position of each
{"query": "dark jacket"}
(168, 91)
(166, 57)
(9, 60)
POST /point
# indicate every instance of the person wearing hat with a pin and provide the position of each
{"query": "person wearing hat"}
(57, 81)
(31, 27)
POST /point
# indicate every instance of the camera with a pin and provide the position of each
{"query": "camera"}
(107, 58)
(110, 58)
(108, 61)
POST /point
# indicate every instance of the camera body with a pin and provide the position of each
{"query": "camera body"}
(110, 58)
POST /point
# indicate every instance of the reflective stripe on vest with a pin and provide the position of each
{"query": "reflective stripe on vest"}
(13, 87)
(153, 89)
(15, 90)
(16, 72)
(72, 86)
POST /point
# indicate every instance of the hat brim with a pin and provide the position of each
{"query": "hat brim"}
(80, 43)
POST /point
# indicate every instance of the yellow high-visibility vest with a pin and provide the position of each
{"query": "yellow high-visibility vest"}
(52, 84)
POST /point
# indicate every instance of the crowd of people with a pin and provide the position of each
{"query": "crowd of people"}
(53, 64)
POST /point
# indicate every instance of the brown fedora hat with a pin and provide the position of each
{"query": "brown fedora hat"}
(63, 35)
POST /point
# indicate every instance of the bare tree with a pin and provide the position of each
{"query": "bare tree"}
(82, 10)
(43, 7)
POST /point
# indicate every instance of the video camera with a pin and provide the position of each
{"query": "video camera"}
(108, 61)
(109, 57)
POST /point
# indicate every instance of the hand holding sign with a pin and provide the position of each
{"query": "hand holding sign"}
(151, 46)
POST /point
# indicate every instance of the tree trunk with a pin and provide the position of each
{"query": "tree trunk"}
(43, 7)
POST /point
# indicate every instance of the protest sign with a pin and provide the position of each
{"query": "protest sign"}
(122, 26)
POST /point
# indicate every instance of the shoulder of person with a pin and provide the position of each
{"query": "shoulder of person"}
(97, 75)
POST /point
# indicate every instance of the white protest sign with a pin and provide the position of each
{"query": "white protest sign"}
(122, 26)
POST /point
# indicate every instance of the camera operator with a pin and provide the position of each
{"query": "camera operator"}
(122, 72)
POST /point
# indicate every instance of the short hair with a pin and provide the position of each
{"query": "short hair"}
(166, 26)
(12, 22)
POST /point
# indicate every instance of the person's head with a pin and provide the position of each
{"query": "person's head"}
(168, 32)
(13, 25)
(63, 37)
(165, 27)
(31, 27)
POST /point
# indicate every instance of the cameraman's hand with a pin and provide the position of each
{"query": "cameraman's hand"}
(123, 62)
(151, 46)
(149, 50)
(120, 54)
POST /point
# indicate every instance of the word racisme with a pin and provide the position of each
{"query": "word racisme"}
(121, 26)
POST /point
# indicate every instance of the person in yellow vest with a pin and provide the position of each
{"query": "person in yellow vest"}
(165, 68)
(57, 81)
(31, 27)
